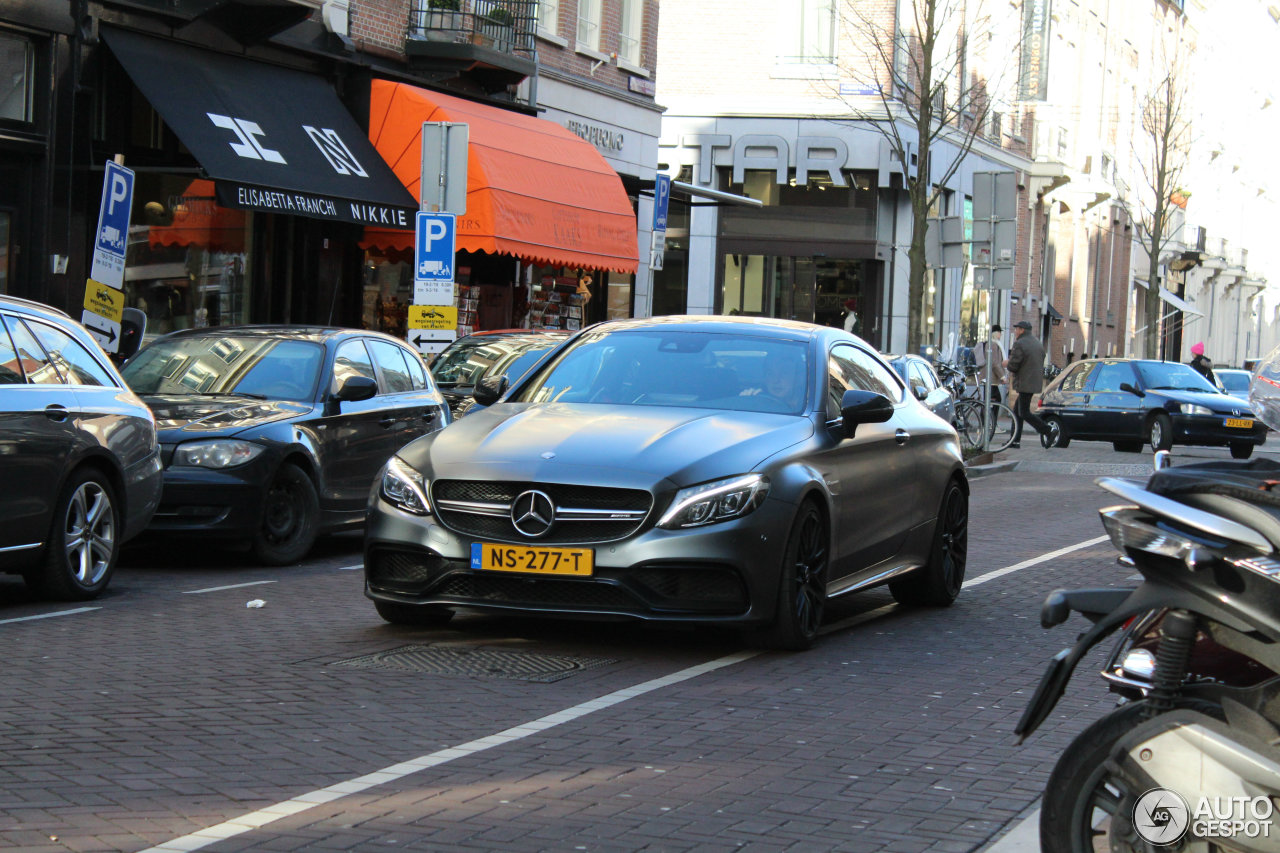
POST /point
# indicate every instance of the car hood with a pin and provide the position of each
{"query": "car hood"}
(1224, 403)
(183, 415)
(632, 446)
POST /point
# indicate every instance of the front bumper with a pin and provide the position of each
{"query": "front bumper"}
(205, 500)
(722, 573)
(1210, 430)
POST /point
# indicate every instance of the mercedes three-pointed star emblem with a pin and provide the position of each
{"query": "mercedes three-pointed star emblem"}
(532, 513)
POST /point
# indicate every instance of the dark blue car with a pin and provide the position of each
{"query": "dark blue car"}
(1132, 402)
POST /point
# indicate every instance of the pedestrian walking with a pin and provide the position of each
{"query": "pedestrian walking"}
(1202, 365)
(1026, 371)
(992, 351)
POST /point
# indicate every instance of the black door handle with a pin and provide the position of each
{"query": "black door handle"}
(386, 423)
(55, 412)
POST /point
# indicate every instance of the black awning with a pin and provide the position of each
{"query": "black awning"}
(273, 139)
(1051, 311)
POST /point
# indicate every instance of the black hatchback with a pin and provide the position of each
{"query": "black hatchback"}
(1132, 402)
(79, 461)
(272, 435)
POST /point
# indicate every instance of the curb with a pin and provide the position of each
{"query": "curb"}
(976, 471)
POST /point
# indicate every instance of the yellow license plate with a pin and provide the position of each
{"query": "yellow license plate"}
(1241, 423)
(577, 562)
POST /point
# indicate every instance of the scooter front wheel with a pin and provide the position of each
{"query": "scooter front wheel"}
(1085, 808)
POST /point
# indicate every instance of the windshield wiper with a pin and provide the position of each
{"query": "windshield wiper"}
(229, 394)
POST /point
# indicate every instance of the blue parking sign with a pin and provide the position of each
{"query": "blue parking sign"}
(661, 201)
(435, 240)
(111, 240)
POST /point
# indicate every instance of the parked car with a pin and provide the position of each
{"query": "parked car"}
(469, 359)
(728, 470)
(1233, 381)
(272, 435)
(79, 459)
(918, 373)
(1130, 402)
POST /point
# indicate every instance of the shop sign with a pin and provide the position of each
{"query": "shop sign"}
(436, 317)
(112, 237)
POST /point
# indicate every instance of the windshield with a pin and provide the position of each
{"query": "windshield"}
(1234, 381)
(513, 357)
(454, 366)
(1173, 376)
(653, 367)
(269, 368)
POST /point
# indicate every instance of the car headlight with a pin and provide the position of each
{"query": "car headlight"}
(405, 488)
(721, 500)
(216, 453)
(1188, 409)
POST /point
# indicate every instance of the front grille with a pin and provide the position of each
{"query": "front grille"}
(483, 509)
(545, 592)
(405, 571)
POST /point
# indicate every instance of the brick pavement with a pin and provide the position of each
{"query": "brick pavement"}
(161, 713)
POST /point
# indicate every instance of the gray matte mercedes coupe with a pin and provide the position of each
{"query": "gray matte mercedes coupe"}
(727, 470)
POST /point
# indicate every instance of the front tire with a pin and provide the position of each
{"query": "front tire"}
(84, 542)
(1160, 432)
(939, 582)
(290, 518)
(1241, 450)
(1085, 808)
(802, 589)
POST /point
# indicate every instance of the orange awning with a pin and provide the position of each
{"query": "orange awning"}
(199, 221)
(534, 190)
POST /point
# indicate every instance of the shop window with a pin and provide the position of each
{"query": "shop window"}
(17, 65)
(188, 259)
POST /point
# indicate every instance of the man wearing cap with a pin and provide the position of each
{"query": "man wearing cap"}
(1026, 371)
(1202, 365)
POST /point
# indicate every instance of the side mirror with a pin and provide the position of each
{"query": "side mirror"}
(489, 389)
(920, 391)
(356, 388)
(1128, 386)
(863, 407)
(133, 325)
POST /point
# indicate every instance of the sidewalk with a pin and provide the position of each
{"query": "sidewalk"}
(1099, 459)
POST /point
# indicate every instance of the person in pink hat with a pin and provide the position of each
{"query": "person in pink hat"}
(1202, 365)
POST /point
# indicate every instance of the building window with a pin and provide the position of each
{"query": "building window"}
(589, 24)
(16, 73)
(549, 16)
(809, 32)
(632, 32)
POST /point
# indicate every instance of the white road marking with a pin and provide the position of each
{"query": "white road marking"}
(221, 588)
(253, 820)
(48, 615)
(1034, 561)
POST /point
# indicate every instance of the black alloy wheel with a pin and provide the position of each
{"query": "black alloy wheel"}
(802, 593)
(1053, 437)
(939, 582)
(290, 518)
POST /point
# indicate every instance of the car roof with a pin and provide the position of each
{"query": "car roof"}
(17, 302)
(317, 334)
(718, 323)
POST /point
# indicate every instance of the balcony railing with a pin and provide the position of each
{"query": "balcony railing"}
(503, 25)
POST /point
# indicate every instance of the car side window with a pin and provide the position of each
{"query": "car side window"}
(417, 372)
(10, 364)
(351, 359)
(922, 375)
(1109, 375)
(394, 370)
(78, 366)
(1076, 377)
(36, 365)
(851, 368)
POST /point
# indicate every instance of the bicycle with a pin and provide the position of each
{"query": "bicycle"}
(968, 417)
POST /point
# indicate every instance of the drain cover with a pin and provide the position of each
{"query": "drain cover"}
(476, 663)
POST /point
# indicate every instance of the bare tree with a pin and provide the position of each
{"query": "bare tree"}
(1163, 147)
(916, 61)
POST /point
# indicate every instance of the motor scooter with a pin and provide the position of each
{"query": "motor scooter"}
(1191, 759)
